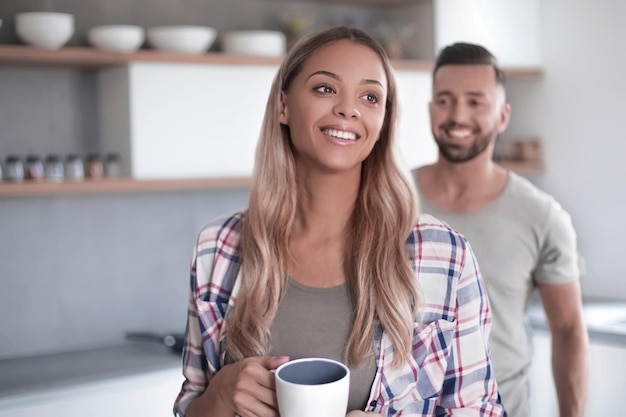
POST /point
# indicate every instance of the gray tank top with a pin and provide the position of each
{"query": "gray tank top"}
(316, 322)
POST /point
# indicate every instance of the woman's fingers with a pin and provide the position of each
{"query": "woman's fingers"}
(248, 387)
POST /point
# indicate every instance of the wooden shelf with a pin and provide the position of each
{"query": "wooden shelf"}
(125, 185)
(119, 185)
(87, 57)
(523, 167)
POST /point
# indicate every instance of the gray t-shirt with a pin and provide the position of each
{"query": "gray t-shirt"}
(522, 237)
(316, 322)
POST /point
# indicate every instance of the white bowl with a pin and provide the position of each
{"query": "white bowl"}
(255, 42)
(48, 30)
(116, 38)
(185, 38)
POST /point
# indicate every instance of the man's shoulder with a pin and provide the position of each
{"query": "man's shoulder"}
(521, 188)
(527, 197)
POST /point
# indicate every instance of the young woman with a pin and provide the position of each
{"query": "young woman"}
(330, 259)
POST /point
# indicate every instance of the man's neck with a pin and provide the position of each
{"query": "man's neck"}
(463, 186)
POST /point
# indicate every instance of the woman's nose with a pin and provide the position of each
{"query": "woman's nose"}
(347, 109)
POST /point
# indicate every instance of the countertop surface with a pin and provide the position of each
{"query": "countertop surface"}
(606, 320)
(29, 375)
(606, 323)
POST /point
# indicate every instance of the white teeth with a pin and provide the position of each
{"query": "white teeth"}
(460, 133)
(340, 134)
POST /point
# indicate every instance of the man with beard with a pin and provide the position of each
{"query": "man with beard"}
(522, 237)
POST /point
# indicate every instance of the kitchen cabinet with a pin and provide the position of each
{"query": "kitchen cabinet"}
(173, 120)
(510, 29)
(147, 394)
(367, 2)
(163, 133)
(607, 378)
(86, 57)
(413, 131)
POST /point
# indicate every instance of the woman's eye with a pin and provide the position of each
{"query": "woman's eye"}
(372, 98)
(324, 89)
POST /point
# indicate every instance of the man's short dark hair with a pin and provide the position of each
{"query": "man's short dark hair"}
(461, 53)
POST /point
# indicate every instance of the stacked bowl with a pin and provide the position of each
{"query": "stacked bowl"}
(116, 38)
(187, 39)
(254, 42)
(48, 30)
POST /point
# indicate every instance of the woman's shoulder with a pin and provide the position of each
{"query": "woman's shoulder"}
(433, 232)
(433, 245)
(217, 255)
(224, 230)
(444, 263)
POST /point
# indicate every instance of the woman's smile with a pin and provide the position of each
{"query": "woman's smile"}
(335, 111)
(342, 134)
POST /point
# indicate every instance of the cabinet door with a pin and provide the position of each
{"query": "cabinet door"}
(607, 379)
(184, 121)
(510, 29)
(416, 144)
(150, 394)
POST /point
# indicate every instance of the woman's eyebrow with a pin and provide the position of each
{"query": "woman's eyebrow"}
(338, 78)
(327, 73)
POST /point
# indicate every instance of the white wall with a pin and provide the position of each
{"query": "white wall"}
(510, 29)
(579, 110)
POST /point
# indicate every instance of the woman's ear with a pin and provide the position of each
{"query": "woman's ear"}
(283, 118)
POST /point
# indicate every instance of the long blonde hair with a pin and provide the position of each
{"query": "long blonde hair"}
(382, 283)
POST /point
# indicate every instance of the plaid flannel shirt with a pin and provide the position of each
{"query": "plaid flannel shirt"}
(450, 373)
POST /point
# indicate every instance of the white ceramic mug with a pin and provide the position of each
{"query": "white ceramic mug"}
(312, 387)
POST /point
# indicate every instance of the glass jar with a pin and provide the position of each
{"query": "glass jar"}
(33, 170)
(94, 167)
(53, 168)
(112, 165)
(74, 168)
(14, 169)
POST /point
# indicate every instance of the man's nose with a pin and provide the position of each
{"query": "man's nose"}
(459, 113)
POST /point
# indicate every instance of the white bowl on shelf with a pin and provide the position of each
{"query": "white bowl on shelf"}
(255, 42)
(188, 39)
(116, 38)
(48, 30)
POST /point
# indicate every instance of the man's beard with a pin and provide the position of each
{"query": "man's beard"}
(457, 154)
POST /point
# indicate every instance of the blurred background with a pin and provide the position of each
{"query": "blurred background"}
(79, 270)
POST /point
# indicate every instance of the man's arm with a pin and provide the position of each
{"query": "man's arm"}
(570, 345)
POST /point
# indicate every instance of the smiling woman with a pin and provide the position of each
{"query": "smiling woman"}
(332, 260)
(335, 113)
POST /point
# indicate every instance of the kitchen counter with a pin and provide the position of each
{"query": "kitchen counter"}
(606, 323)
(30, 375)
(606, 320)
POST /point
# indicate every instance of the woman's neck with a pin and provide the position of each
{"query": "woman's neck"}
(326, 203)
